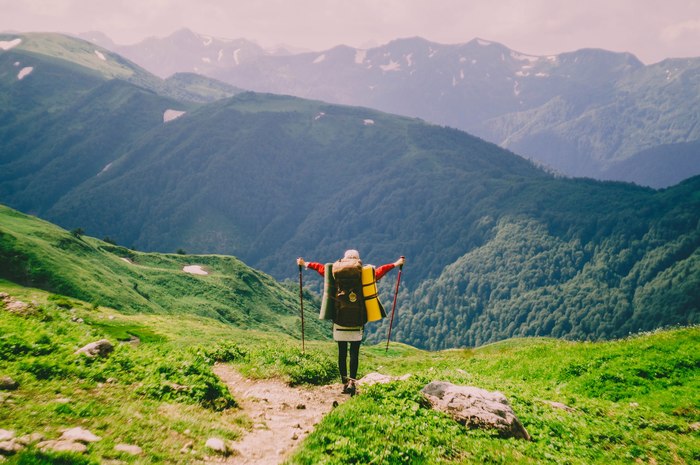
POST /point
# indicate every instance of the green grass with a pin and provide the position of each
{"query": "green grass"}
(634, 399)
(39, 254)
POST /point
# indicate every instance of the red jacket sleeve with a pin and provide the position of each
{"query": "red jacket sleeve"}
(382, 270)
(319, 267)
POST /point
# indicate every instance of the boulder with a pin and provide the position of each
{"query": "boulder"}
(475, 408)
(79, 435)
(8, 384)
(62, 446)
(218, 445)
(10, 447)
(128, 449)
(98, 348)
(6, 435)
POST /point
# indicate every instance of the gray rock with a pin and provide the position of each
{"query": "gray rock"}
(218, 445)
(10, 447)
(475, 408)
(63, 446)
(8, 384)
(187, 447)
(28, 439)
(129, 449)
(100, 348)
(79, 435)
(6, 435)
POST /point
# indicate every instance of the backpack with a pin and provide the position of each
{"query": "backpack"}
(349, 299)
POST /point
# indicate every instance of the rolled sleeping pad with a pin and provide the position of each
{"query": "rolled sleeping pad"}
(375, 310)
(328, 301)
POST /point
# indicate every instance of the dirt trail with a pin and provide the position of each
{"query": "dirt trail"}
(282, 416)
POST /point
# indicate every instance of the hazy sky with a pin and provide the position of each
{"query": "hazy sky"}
(651, 29)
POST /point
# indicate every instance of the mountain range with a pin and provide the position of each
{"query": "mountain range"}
(496, 246)
(586, 113)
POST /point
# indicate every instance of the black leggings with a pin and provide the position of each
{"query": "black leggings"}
(343, 358)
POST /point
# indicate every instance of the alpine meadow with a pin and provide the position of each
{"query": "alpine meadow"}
(166, 216)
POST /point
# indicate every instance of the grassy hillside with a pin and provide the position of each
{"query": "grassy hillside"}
(496, 246)
(39, 254)
(633, 400)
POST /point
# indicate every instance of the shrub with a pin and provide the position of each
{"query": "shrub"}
(34, 457)
(226, 352)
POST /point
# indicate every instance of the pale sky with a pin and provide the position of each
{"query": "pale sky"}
(650, 29)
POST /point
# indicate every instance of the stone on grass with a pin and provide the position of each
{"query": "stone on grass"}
(98, 348)
(79, 435)
(475, 408)
(6, 435)
(378, 378)
(29, 439)
(8, 384)
(10, 447)
(63, 446)
(128, 449)
(218, 445)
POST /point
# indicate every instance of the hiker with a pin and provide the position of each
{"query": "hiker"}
(350, 300)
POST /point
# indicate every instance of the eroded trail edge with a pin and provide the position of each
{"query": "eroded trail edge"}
(282, 415)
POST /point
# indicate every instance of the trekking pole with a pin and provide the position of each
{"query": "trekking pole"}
(393, 307)
(301, 303)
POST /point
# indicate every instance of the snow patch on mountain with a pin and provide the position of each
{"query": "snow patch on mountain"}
(392, 66)
(368, 122)
(360, 56)
(484, 43)
(516, 88)
(8, 44)
(409, 59)
(107, 167)
(170, 114)
(207, 40)
(195, 269)
(431, 52)
(220, 55)
(24, 72)
(320, 58)
(100, 55)
(236, 56)
(319, 116)
(523, 57)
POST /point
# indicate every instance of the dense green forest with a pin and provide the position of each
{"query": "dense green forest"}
(496, 246)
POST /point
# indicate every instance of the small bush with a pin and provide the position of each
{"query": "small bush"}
(43, 369)
(311, 368)
(13, 347)
(60, 301)
(34, 457)
(226, 352)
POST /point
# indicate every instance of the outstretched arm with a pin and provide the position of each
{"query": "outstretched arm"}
(318, 267)
(384, 269)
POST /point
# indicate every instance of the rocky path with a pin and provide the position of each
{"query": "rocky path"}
(282, 416)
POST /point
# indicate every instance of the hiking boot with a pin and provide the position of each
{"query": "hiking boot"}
(346, 387)
(352, 389)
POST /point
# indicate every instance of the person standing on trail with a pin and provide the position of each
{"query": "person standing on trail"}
(350, 300)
